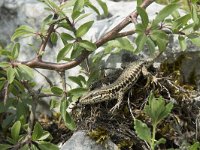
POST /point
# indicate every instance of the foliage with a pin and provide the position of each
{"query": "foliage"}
(21, 93)
(157, 111)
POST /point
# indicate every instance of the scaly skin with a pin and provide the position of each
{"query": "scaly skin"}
(117, 89)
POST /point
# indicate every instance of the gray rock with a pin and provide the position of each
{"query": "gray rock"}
(80, 141)
(1, 3)
(188, 65)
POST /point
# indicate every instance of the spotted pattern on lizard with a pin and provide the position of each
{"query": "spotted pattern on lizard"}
(117, 89)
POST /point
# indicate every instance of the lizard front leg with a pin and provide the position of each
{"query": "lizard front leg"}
(119, 101)
(149, 76)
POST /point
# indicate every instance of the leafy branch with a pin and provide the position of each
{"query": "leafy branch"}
(113, 34)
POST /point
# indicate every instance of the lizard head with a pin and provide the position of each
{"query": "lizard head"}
(92, 97)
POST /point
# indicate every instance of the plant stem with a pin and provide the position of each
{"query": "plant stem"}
(153, 137)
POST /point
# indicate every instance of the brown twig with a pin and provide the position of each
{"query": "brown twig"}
(62, 75)
(46, 78)
(114, 33)
(122, 34)
(28, 138)
(42, 95)
(47, 37)
(34, 94)
(6, 93)
(44, 42)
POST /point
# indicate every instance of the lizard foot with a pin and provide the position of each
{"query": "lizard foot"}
(115, 107)
(120, 98)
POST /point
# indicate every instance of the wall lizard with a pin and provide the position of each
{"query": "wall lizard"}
(117, 89)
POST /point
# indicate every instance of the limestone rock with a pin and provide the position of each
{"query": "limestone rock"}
(80, 141)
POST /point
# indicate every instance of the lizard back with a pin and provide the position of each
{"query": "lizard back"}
(128, 78)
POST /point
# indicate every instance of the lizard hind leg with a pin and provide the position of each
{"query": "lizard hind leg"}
(119, 101)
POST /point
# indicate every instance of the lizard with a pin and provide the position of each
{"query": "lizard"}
(117, 89)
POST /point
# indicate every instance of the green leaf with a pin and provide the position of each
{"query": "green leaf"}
(20, 87)
(26, 147)
(5, 53)
(87, 45)
(54, 7)
(139, 28)
(160, 38)
(140, 42)
(3, 108)
(165, 12)
(75, 80)
(21, 110)
(76, 14)
(56, 90)
(180, 22)
(76, 51)
(161, 141)
(195, 39)
(65, 26)
(2, 83)
(142, 131)
(175, 14)
(182, 43)
(83, 16)
(44, 136)
(67, 4)
(122, 43)
(52, 4)
(77, 91)
(54, 103)
(66, 37)
(11, 74)
(68, 120)
(26, 71)
(47, 20)
(195, 146)
(37, 132)
(144, 16)
(15, 130)
(4, 64)
(7, 121)
(15, 51)
(47, 146)
(139, 2)
(151, 45)
(193, 35)
(83, 29)
(103, 6)
(23, 31)
(5, 146)
(195, 17)
(188, 29)
(78, 80)
(63, 52)
(156, 109)
(78, 6)
(54, 38)
(89, 4)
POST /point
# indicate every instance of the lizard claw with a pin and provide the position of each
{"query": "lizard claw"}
(154, 80)
(120, 98)
(115, 107)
